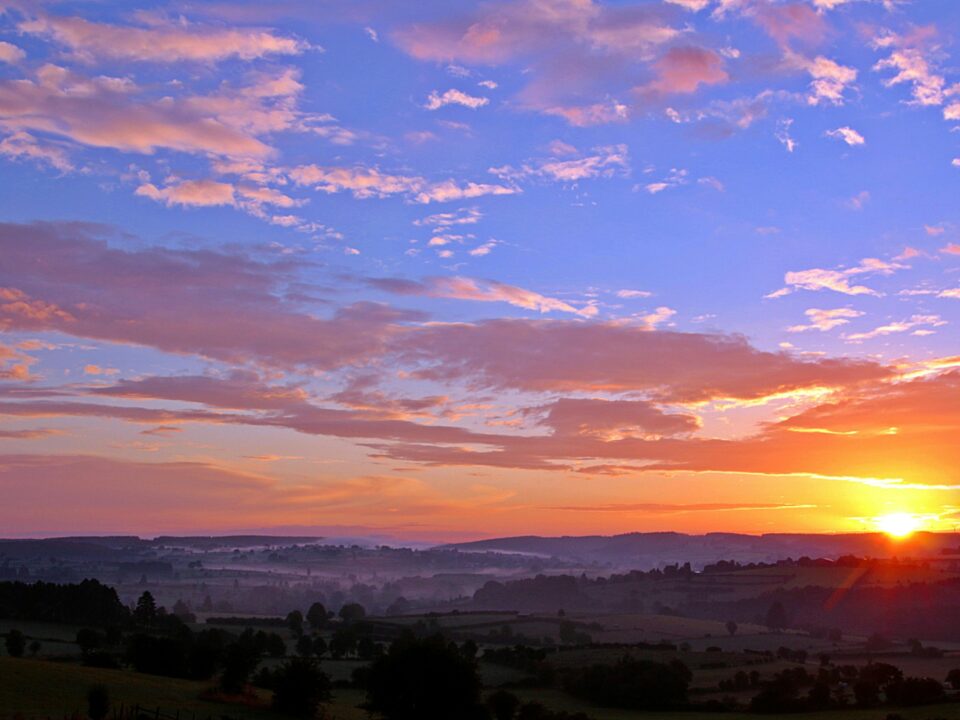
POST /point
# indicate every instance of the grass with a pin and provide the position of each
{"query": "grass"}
(558, 700)
(41, 689)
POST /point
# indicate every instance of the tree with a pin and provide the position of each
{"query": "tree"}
(182, 611)
(343, 642)
(953, 678)
(423, 679)
(34, 647)
(776, 616)
(16, 643)
(295, 622)
(352, 612)
(305, 646)
(503, 705)
(275, 647)
(319, 646)
(238, 663)
(98, 702)
(89, 640)
(317, 616)
(146, 611)
(299, 687)
(732, 628)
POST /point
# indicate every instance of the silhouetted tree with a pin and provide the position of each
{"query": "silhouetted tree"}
(776, 616)
(317, 616)
(305, 646)
(732, 627)
(319, 646)
(352, 612)
(423, 679)
(503, 705)
(238, 662)
(15, 643)
(299, 687)
(295, 622)
(953, 678)
(630, 684)
(146, 611)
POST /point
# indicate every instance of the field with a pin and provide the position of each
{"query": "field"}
(41, 689)
(560, 701)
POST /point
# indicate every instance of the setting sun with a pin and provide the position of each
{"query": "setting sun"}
(899, 525)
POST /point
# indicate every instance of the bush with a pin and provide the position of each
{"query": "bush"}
(299, 687)
(423, 679)
(15, 643)
(631, 684)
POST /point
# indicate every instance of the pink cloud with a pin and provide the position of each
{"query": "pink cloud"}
(684, 69)
(106, 112)
(463, 288)
(566, 356)
(576, 52)
(163, 42)
(214, 304)
(790, 21)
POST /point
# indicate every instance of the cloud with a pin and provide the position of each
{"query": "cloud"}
(858, 201)
(839, 281)
(848, 135)
(31, 434)
(610, 419)
(365, 182)
(461, 216)
(909, 57)
(24, 146)
(692, 5)
(632, 294)
(212, 193)
(109, 112)
(869, 434)
(915, 321)
(552, 356)
(92, 369)
(783, 135)
(14, 363)
(435, 101)
(10, 54)
(683, 69)
(601, 113)
(659, 316)
(605, 162)
(68, 278)
(675, 178)
(787, 22)
(462, 288)
(573, 54)
(164, 42)
(194, 193)
(824, 320)
(830, 79)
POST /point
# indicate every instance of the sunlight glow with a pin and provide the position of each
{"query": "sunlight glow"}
(899, 525)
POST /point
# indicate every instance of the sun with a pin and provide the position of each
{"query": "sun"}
(898, 525)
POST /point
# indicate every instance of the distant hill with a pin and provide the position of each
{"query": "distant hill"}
(647, 550)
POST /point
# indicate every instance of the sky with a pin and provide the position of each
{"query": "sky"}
(440, 271)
